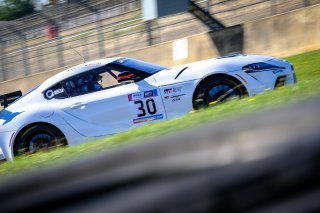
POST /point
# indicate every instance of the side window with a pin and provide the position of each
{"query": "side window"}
(90, 81)
(94, 80)
(57, 92)
(83, 83)
(109, 79)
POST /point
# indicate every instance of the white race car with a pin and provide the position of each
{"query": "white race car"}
(111, 95)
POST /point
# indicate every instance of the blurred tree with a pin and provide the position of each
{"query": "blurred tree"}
(13, 9)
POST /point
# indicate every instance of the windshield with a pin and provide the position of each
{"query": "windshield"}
(135, 64)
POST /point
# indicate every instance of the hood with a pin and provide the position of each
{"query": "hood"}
(200, 69)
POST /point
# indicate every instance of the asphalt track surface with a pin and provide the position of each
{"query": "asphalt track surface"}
(264, 162)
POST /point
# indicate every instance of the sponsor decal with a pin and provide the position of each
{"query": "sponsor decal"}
(177, 96)
(172, 90)
(148, 94)
(142, 95)
(176, 89)
(58, 91)
(49, 94)
(137, 96)
(147, 118)
(167, 91)
(174, 98)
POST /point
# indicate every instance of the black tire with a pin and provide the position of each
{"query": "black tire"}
(39, 137)
(217, 90)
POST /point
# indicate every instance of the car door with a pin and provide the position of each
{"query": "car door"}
(114, 110)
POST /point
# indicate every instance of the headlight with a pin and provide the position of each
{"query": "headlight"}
(259, 67)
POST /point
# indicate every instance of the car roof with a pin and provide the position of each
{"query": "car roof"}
(76, 70)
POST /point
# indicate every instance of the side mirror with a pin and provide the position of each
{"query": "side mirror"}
(127, 76)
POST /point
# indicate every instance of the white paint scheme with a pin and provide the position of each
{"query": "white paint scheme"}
(109, 111)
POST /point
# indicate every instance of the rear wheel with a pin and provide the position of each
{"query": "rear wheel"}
(38, 138)
(217, 90)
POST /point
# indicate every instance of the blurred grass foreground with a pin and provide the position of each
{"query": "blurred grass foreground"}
(307, 67)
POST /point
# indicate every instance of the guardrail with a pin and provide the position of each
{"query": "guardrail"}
(265, 162)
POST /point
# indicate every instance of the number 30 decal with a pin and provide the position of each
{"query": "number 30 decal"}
(151, 107)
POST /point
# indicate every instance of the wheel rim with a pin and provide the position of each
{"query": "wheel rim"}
(220, 93)
(40, 141)
(38, 138)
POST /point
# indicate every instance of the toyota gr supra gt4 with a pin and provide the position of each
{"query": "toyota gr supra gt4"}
(109, 96)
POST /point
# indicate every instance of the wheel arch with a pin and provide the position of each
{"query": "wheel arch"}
(21, 131)
(216, 75)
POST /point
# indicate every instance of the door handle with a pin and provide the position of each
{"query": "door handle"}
(78, 106)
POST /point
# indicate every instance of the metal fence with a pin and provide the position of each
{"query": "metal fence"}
(92, 31)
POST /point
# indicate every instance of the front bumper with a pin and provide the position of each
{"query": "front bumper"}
(266, 80)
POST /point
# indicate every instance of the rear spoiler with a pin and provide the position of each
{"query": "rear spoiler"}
(7, 99)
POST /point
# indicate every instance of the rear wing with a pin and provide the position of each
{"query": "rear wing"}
(7, 99)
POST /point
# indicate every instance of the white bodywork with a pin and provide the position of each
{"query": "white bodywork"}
(114, 110)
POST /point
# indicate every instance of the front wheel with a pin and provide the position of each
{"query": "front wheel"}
(38, 138)
(217, 90)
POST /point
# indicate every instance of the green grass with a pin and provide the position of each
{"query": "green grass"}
(307, 67)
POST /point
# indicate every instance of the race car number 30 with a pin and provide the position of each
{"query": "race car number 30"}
(144, 106)
(150, 106)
